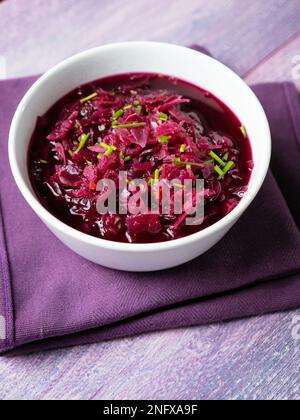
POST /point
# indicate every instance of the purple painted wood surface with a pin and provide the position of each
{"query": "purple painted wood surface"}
(256, 358)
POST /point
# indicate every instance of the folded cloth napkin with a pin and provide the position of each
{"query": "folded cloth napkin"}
(50, 297)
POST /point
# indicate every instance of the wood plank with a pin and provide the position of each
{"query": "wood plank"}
(283, 65)
(238, 35)
(247, 359)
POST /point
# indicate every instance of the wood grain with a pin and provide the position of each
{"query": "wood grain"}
(283, 64)
(239, 34)
(256, 358)
(246, 359)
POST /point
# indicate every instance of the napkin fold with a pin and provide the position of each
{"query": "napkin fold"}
(51, 297)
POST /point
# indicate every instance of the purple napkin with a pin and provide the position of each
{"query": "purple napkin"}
(50, 297)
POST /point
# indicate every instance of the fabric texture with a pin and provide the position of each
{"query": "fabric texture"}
(51, 297)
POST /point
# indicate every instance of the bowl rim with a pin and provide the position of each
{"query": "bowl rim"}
(58, 225)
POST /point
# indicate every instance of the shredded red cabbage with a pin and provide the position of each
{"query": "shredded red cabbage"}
(153, 127)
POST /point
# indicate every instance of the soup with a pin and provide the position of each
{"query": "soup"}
(153, 128)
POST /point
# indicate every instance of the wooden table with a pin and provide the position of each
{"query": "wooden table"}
(257, 358)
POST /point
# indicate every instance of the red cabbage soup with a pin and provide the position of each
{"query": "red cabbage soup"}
(152, 127)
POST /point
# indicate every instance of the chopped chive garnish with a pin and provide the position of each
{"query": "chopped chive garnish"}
(225, 157)
(83, 140)
(44, 162)
(139, 109)
(219, 172)
(178, 185)
(127, 107)
(110, 150)
(228, 166)
(182, 148)
(93, 95)
(217, 158)
(133, 125)
(118, 114)
(164, 139)
(150, 181)
(127, 158)
(244, 132)
(180, 162)
(136, 103)
(99, 157)
(76, 126)
(156, 174)
(104, 145)
(163, 116)
(226, 169)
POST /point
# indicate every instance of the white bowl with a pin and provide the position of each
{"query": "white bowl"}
(151, 57)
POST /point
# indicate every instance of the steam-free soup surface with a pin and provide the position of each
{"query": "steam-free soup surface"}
(155, 128)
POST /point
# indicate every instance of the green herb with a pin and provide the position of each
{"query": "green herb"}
(110, 150)
(93, 95)
(226, 169)
(127, 107)
(178, 185)
(118, 114)
(132, 125)
(136, 103)
(163, 116)
(104, 145)
(150, 181)
(225, 157)
(99, 157)
(83, 140)
(156, 174)
(164, 139)
(180, 162)
(127, 158)
(228, 166)
(217, 158)
(44, 162)
(76, 126)
(139, 109)
(219, 172)
(244, 132)
(182, 148)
